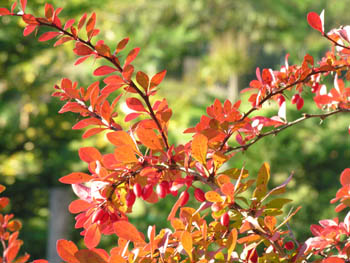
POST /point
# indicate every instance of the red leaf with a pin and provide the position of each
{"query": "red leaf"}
(132, 116)
(75, 178)
(128, 70)
(86, 122)
(4, 201)
(345, 177)
(323, 99)
(4, 12)
(29, 19)
(23, 5)
(48, 35)
(333, 260)
(29, 29)
(157, 79)
(131, 56)
(82, 50)
(73, 107)
(121, 45)
(82, 21)
(124, 229)
(49, 10)
(104, 70)
(62, 41)
(92, 132)
(13, 7)
(78, 206)
(89, 154)
(135, 104)
(92, 236)
(315, 21)
(69, 23)
(66, 250)
(81, 60)
(114, 79)
(110, 88)
(90, 25)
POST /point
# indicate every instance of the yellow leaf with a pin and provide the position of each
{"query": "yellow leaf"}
(213, 196)
(231, 243)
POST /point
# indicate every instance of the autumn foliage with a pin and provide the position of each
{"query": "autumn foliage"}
(239, 218)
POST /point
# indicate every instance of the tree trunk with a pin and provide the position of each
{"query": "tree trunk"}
(60, 221)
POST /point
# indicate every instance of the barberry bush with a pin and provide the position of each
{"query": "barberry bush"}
(240, 219)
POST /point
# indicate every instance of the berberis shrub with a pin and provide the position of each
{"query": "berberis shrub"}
(239, 218)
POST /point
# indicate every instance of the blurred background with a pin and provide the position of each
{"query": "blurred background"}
(210, 49)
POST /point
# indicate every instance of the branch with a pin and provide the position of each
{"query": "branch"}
(279, 91)
(289, 124)
(120, 69)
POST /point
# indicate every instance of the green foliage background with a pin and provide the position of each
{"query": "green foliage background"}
(37, 145)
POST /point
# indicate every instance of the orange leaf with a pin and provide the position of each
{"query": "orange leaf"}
(119, 138)
(213, 196)
(2, 188)
(149, 138)
(75, 178)
(92, 236)
(199, 148)
(229, 190)
(90, 25)
(115, 258)
(270, 222)
(249, 239)
(132, 55)
(125, 154)
(89, 154)
(186, 241)
(124, 229)
(345, 177)
(78, 206)
(92, 131)
(157, 79)
(89, 256)
(66, 250)
(121, 45)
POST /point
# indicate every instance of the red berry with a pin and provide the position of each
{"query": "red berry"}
(161, 190)
(295, 98)
(199, 195)
(225, 219)
(137, 189)
(289, 245)
(130, 198)
(280, 100)
(300, 103)
(147, 191)
(184, 197)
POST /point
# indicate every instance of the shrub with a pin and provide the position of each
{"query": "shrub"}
(237, 219)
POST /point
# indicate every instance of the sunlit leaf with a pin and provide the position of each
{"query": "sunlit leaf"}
(66, 250)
